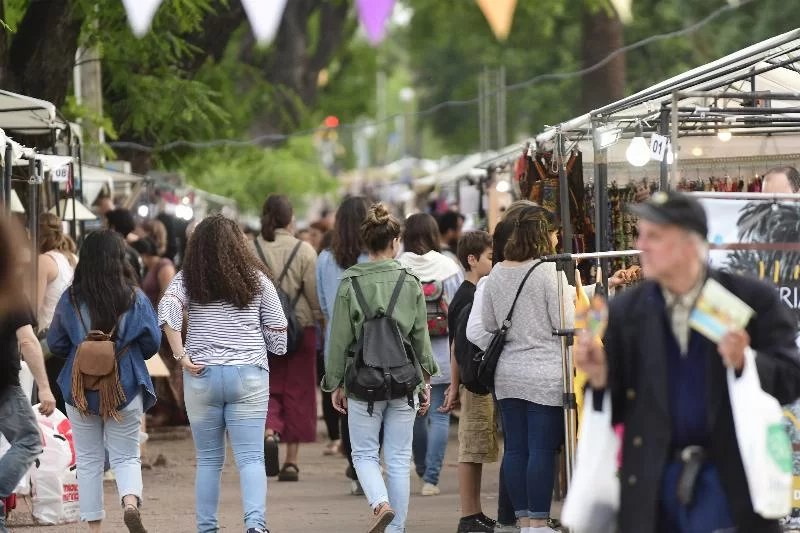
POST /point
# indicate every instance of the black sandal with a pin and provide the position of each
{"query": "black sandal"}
(289, 472)
(272, 461)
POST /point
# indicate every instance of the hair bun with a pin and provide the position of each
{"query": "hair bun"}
(378, 214)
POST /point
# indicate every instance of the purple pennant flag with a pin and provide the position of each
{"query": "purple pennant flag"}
(374, 14)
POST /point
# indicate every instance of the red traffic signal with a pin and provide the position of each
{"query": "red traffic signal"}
(331, 121)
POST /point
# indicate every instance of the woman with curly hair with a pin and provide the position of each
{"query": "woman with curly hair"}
(235, 321)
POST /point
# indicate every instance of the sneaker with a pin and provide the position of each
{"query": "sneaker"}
(474, 524)
(486, 520)
(383, 517)
(257, 530)
(356, 489)
(506, 528)
(108, 475)
(430, 490)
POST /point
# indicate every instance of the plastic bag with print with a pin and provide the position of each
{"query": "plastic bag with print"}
(55, 486)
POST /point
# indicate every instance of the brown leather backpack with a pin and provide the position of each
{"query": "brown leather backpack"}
(95, 368)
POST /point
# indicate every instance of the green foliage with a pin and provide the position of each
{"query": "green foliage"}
(249, 174)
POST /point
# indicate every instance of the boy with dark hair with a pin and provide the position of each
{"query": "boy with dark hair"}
(477, 434)
(450, 224)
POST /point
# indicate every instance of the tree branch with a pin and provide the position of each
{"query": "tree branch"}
(217, 29)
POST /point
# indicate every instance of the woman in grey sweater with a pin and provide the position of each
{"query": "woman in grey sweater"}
(528, 380)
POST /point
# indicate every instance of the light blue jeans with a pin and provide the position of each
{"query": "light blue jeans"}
(397, 418)
(431, 433)
(92, 436)
(232, 398)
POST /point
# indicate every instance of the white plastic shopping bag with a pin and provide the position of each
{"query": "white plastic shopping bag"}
(55, 487)
(593, 498)
(764, 444)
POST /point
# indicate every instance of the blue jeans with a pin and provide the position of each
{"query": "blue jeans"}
(711, 512)
(18, 426)
(397, 418)
(534, 433)
(92, 435)
(232, 398)
(431, 433)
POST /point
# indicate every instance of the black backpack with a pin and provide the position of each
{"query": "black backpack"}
(383, 366)
(294, 333)
(468, 356)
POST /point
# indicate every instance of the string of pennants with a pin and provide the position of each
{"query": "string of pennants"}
(265, 16)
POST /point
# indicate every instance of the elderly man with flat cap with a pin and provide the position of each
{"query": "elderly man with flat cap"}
(681, 469)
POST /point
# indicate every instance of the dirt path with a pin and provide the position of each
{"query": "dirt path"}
(319, 502)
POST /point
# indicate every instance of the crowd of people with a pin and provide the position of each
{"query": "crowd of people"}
(380, 314)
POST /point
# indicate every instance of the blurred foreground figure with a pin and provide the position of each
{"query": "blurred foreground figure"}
(681, 467)
(17, 420)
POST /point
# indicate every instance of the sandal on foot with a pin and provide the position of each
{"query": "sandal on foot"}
(272, 461)
(133, 520)
(383, 517)
(289, 472)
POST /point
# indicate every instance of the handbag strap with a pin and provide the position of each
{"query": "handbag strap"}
(507, 321)
(362, 302)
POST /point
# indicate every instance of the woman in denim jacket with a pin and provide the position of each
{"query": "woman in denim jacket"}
(378, 279)
(107, 298)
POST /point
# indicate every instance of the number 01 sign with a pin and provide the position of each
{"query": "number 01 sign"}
(658, 146)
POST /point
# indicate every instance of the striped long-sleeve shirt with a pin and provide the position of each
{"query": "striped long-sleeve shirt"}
(222, 334)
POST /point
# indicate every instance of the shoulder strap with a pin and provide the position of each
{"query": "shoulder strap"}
(507, 321)
(289, 261)
(362, 302)
(77, 309)
(396, 294)
(260, 252)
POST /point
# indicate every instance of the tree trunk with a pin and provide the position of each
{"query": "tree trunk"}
(294, 66)
(602, 35)
(42, 53)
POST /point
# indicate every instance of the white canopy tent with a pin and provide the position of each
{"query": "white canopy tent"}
(27, 115)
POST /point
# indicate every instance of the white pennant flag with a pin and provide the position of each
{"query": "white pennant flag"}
(140, 14)
(624, 10)
(265, 18)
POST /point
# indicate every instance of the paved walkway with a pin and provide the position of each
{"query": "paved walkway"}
(319, 502)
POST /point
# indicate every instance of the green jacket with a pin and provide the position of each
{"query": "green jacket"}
(377, 280)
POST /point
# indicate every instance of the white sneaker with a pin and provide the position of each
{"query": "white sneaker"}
(108, 475)
(430, 490)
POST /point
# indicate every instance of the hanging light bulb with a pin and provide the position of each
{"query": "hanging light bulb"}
(724, 135)
(638, 152)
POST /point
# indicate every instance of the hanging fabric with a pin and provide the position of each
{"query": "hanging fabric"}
(265, 18)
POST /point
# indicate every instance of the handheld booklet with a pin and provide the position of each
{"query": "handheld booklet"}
(719, 311)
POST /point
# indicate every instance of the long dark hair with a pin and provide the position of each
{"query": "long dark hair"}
(276, 214)
(219, 266)
(421, 234)
(101, 280)
(347, 243)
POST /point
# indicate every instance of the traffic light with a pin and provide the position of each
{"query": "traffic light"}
(331, 122)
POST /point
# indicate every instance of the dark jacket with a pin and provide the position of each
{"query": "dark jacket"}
(637, 354)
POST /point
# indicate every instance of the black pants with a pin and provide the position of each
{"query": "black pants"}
(329, 414)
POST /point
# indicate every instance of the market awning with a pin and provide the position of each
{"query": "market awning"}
(770, 65)
(97, 178)
(465, 167)
(27, 115)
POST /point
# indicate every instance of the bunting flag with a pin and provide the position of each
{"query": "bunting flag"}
(624, 10)
(140, 14)
(374, 14)
(265, 18)
(500, 15)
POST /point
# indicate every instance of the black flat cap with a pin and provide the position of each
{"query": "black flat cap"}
(675, 209)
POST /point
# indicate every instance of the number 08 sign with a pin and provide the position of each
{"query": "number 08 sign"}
(61, 174)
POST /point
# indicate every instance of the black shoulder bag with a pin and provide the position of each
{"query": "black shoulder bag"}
(487, 360)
